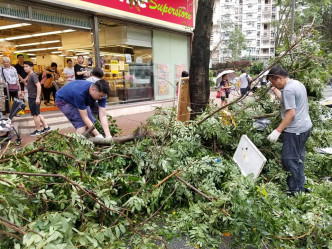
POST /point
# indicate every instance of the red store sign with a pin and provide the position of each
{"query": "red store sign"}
(174, 11)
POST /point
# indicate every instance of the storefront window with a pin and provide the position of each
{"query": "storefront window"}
(126, 57)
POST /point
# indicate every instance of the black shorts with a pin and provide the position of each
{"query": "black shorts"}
(34, 108)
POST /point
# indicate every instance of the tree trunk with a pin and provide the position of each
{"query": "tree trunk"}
(200, 57)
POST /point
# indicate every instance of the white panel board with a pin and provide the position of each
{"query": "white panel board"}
(249, 159)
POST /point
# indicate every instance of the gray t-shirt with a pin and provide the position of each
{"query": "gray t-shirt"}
(31, 85)
(244, 80)
(294, 96)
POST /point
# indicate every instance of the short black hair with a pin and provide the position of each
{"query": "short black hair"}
(277, 71)
(78, 56)
(68, 60)
(29, 63)
(184, 74)
(19, 56)
(53, 64)
(102, 86)
(243, 71)
(98, 72)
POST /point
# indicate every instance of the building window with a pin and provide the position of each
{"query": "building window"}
(272, 34)
(258, 26)
(273, 16)
(265, 26)
(258, 34)
(258, 43)
(266, 1)
(272, 51)
(272, 42)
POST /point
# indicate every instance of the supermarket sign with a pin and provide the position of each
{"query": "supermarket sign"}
(176, 11)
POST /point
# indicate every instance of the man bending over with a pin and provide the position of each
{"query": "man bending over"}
(75, 99)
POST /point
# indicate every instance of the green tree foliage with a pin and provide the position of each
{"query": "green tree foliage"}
(256, 68)
(237, 42)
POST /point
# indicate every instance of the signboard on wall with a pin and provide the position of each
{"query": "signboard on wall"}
(177, 12)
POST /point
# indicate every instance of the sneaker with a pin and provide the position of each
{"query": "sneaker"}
(35, 133)
(45, 130)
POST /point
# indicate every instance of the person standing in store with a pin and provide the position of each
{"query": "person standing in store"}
(244, 82)
(296, 124)
(9, 75)
(80, 72)
(22, 75)
(69, 72)
(52, 73)
(34, 91)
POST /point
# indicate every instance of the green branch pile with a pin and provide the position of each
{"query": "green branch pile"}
(72, 194)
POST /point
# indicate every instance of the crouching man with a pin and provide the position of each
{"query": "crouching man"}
(75, 99)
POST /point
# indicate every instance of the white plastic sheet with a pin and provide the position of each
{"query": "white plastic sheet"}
(249, 159)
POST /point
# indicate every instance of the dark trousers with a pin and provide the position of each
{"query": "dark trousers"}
(9, 98)
(244, 91)
(293, 156)
(47, 93)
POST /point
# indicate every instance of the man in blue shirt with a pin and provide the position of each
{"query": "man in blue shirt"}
(75, 99)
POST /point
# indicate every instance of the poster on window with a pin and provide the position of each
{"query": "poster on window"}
(178, 71)
(163, 79)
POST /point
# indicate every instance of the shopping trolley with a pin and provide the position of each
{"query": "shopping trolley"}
(7, 130)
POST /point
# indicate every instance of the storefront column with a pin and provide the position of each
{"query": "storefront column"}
(95, 32)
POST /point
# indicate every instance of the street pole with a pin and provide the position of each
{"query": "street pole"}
(292, 21)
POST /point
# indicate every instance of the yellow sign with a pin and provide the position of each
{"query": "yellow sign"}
(114, 66)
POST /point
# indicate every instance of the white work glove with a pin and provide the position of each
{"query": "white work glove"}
(99, 136)
(273, 137)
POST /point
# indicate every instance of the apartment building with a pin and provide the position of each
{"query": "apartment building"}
(254, 18)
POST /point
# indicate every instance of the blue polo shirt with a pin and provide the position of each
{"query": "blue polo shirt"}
(77, 94)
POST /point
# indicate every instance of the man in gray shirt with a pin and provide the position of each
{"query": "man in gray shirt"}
(296, 124)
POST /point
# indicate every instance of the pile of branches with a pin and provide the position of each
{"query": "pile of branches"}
(65, 192)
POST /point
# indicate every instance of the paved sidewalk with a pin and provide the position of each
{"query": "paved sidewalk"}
(127, 123)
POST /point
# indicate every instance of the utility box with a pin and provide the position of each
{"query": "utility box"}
(249, 159)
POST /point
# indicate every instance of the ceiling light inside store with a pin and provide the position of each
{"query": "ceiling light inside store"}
(37, 43)
(37, 49)
(36, 35)
(56, 52)
(31, 54)
(48, 42)
(28, 44)
(17, 37)
(12, 26)
(83, 53)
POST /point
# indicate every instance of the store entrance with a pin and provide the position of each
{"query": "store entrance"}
(44, 45)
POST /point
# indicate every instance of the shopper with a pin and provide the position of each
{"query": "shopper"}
(296, 124)
(75, 99)
(224, 89)
(69, 72)
(9, 75)
(244, 82)
(80, 72)
(51, 74)
(22, 75)
(34, 91)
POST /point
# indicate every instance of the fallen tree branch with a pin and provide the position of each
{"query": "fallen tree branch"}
(12, 226)
(86, 193)
(166, 178)
(195, 189)
(10, 235)
(273, 114)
